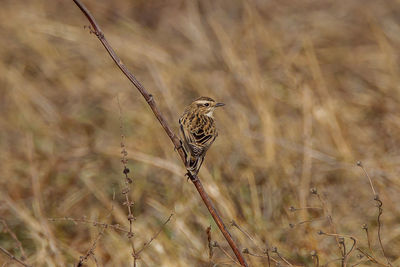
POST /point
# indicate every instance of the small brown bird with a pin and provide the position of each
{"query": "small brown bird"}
(198, 131)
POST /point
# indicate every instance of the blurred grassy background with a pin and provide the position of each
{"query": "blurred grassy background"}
(310, 87)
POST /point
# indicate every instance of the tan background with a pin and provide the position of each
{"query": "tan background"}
(310, 87)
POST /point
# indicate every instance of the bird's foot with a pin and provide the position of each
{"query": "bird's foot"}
(192, 177)
(180, 145)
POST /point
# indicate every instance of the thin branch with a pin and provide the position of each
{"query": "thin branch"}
(14, 236)
(115, 227)
(380, 210)
(359, 164)
(365, 227)
(128, 181)
(174, 139)
(292, 225)
(267, 256)
(210, 247)
(12, 257)
(327, 213)
(275, 250)
(294, 209)
(90, 251)
(234, 224)
(216, 245)
(154, 236)
(371, 258)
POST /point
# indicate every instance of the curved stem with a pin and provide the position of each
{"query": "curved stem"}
(174, 139)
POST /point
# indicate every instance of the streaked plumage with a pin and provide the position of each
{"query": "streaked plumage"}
(198, 131)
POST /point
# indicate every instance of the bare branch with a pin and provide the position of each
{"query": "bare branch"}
(216, 245)
(115, 227)
(174, 139)
(154, 236)
(90, 251)
(14, 236)
(12, 257)
(380, 210)
(210, 247)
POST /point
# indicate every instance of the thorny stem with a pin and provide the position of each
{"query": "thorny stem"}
(174, 139)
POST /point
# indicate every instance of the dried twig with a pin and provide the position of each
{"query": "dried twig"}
(234, 224)
(90, 251)
(174, 139)
(216, 245)
(346, 254)
(115, 227)
(210, 247)
(292, 225)
(266, 256)
(14, 236)
(328, 215)
(371, 258)
(365, 227)
(275, 250)
(128, 181)
(12, 257)
(380, 210)
(145, 245)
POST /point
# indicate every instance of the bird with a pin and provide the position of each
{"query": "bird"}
(198, 131)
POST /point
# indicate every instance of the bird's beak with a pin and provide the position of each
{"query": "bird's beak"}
(219, 104)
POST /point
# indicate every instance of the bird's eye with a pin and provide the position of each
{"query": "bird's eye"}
(206, 104)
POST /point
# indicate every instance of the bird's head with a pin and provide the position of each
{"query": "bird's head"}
(205, 105)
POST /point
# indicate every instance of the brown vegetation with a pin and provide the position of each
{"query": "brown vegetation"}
(310, 86)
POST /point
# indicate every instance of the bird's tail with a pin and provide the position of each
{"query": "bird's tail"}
(193, 164)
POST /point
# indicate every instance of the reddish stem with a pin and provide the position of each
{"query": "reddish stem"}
(174, 139)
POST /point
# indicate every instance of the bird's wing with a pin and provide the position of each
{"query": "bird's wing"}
(201, 137)
(198, 138)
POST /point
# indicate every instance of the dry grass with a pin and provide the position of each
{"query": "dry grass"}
(310, 86)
